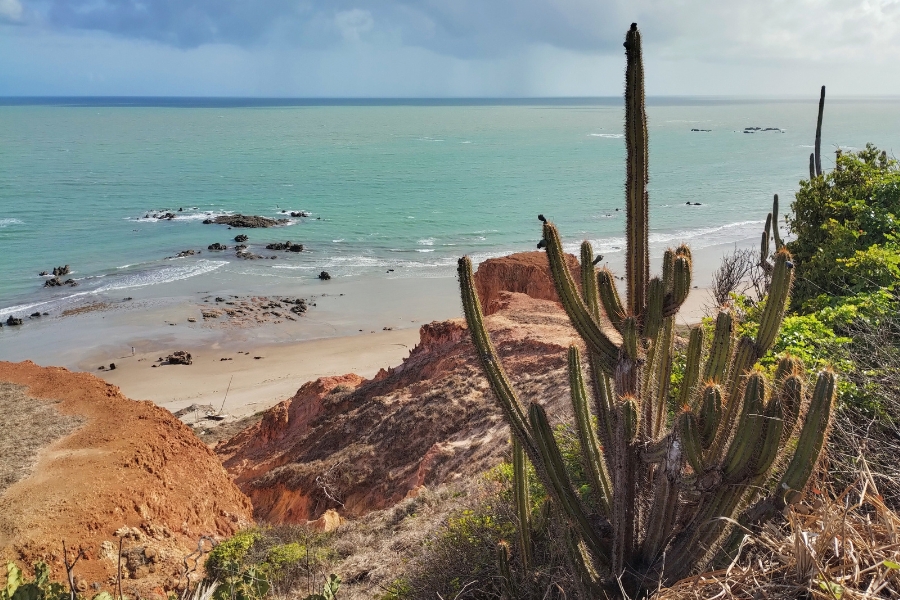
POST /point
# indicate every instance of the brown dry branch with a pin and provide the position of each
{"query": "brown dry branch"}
(842, 547)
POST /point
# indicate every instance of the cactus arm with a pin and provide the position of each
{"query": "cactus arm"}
(522, 502)
(653, 318)
(662, 518)
(594, 461)
(776, 303)
(561, 486)
(744, 446)
(710, 413)
(691, 367)
(637, 259)
(764, 244)
(812, 166)
(818, 149)
(657, 395)
(508, 589)
(603, 400)
(583, 321)
(609, 296)
(778, 243)
(812, 436)
(589, 280)
(720, 351)
(681, 286)
(668, 269)
(490, 362)
(689, 433)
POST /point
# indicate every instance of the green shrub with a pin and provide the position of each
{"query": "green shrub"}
(844, 226)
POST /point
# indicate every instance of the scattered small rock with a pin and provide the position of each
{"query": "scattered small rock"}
(13, 321)
(217, 246)
(35, 315)
(299, 213)
(58, 271)
(112, 366)
(241, 238)
(184, 253)
(324, 276)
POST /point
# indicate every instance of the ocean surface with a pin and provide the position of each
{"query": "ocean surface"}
(404, 185)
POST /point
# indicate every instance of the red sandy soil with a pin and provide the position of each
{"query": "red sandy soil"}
(130, 471)
(353, 445)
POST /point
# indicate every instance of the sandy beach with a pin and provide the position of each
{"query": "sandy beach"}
(247, 361)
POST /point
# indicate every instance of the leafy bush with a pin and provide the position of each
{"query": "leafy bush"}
(844, 225)
(255, 562)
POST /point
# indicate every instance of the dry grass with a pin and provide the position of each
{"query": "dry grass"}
(842, 548)
(27, 425)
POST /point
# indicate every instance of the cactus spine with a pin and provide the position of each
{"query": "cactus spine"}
(658, 488)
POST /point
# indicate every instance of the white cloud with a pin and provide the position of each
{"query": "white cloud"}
(353, 23)
(11, 9)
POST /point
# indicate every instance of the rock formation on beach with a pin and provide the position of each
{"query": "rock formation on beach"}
(524, 272)
(245, 221)
(117, 469)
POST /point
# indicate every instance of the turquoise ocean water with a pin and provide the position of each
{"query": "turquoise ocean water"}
(404, 185)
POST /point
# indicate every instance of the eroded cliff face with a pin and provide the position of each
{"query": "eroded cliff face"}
(353, 445)
(525, 273)
(129, 471)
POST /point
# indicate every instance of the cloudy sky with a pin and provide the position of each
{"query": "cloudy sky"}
(438, 48)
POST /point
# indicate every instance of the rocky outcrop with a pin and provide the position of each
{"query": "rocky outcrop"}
(241, 238)
(355, 445)
(525, 273)
(128, 471)
(179, 357)
(217, 246)
(324, 276)
(289, 246)
(245, 221)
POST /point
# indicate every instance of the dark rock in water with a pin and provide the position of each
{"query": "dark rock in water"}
(126, 299)
(324, 276)
(299, 213)
(240, 248)
(220, 299)
(180, 210)
(217, 246)
(278, 246)
(12, 321)
(706, 130)
(245, 221)
(43, 274)
(295, 248)
(35, 315)
(184, 253)
(57, 271)
(53, 282)
(241, 238)
(179, 357)
(112, 366)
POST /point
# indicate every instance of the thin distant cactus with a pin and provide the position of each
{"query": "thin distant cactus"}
(666, 490)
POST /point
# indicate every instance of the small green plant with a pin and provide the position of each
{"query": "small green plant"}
(40, 587)
(329, 589)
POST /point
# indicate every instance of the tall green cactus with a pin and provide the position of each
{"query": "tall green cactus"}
(666, 490)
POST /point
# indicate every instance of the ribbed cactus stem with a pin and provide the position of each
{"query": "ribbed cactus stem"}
(812, 166)
(609, 297)
(507, 588)
(592, 457)
(522, 501)
(776, 303)
(637, 259)
(569, 502)
(690, 436)
(812, 436)
(668, 270)
(653, 318)
(775, 234)
(589, 280)
(745, 444)
(818, 148)
(600, 341)
(764, 245)
(691, 367)
(681, 286)
(710, 413)
(720, 351)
